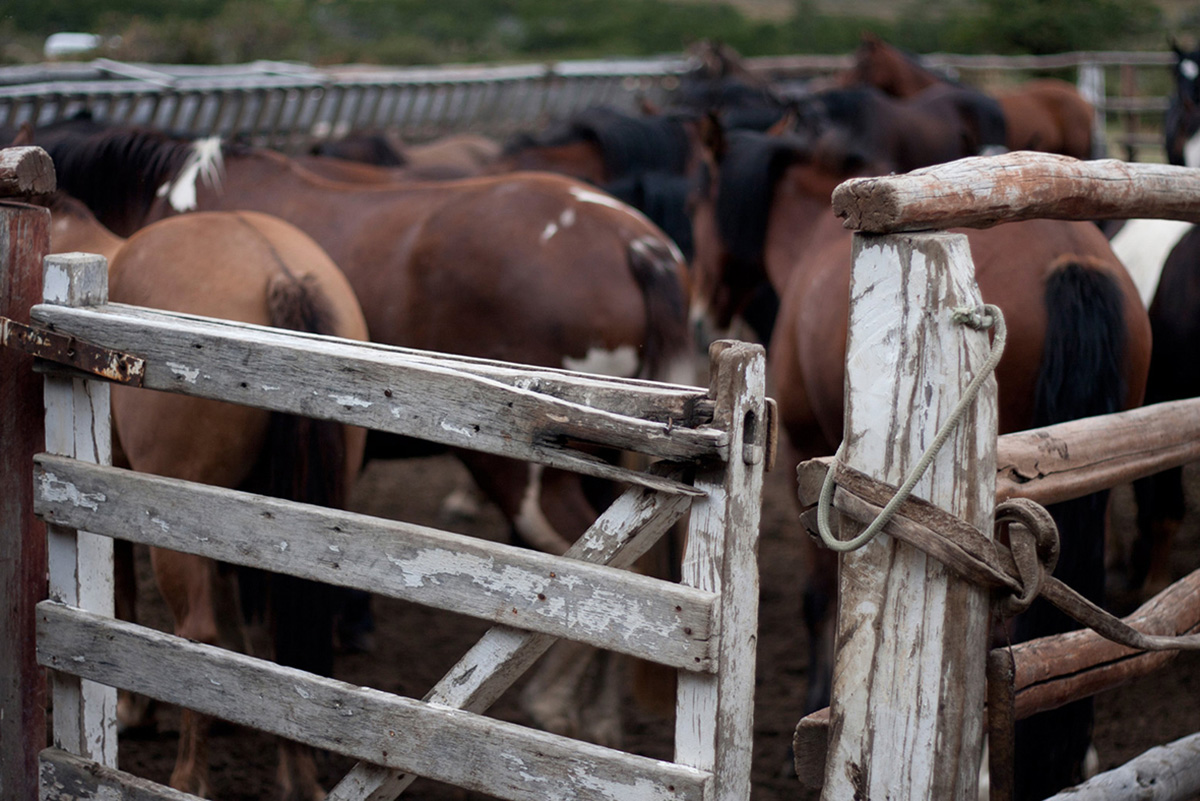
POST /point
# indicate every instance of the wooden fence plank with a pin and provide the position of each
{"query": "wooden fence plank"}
(24, 240)
(626, 612)
(66, 777)
(377, 389)
(1166, 773)
(618, 538)
(632, 397)
(518, 763)
(1079, 457)
(78, 425)
(911, 733)
(982, 191)
(1069, 460)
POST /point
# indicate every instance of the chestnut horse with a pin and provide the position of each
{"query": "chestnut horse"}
(252, 268)
(1045, 114)
(1079, 345)
(532, 268)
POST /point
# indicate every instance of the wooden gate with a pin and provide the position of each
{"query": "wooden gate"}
(709, 450)
(915, 733)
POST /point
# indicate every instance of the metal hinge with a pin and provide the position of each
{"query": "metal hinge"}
(123, 368)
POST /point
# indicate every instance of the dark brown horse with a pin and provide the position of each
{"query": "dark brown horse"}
(940, 124)
(601, 145)
(1079, 345)
(1044, 114)
(252, 268)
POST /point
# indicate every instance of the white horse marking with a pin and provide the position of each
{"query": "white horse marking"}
(1143, 247)
(621, 362)
(204, 163)
(1189, 69)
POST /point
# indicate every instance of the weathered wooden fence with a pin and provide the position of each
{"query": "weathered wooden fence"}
(289, 106)
(916, 733)
(710, 450)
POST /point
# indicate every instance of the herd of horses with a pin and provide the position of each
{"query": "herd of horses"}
(610, 242)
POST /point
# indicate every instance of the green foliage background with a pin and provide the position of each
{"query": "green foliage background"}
(437, 31)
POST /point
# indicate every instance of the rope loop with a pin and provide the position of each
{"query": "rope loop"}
(978, 318)
(1033, 541)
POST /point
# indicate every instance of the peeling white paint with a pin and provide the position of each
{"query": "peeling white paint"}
(335, 549)
(214, 682)
(283, 546)
(303, 693)
(267, 388)
(461, 430)
(56, 283)
(80, 659)
(55, 489)
(352, 400)
(188, 374)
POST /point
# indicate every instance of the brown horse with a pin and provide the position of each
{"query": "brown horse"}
(252, 268)
(1079, 345)
(1045, 114)
(528, 267)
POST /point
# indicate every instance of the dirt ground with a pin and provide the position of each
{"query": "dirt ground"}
(414, 646)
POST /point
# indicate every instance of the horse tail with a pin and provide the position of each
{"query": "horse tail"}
(1080, 376)
(302, 460)
(652, 261)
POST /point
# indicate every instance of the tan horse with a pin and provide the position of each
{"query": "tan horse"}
(252, 268)
(1079, 345)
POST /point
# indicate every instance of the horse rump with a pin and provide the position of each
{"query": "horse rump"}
(1080, 376)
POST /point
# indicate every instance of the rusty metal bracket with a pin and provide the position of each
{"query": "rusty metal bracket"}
(113, 365)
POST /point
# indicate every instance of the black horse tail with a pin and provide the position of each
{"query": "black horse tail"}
(1080, 376)
(668, 339)
(302, 460)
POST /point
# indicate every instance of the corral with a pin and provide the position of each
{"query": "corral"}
(751, 456)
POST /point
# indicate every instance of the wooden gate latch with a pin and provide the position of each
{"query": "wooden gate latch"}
(52, 346)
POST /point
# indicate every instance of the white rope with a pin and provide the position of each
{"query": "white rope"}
(977, 318)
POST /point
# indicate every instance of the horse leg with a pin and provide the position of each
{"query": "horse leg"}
(186, 584)
(516, 487)
(296, 775)
(550, 696)
(1160, 508)
(135, 713)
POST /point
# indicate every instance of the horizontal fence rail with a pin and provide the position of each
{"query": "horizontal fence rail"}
(290, 106)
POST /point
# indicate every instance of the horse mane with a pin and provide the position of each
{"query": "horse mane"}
(750, 168)
(627, 143)
(115, 171)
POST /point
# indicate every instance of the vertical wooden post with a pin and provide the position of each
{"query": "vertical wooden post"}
(78, 424)
(908, 686)
(24, 240)
(1092, 86)
(715, 713)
